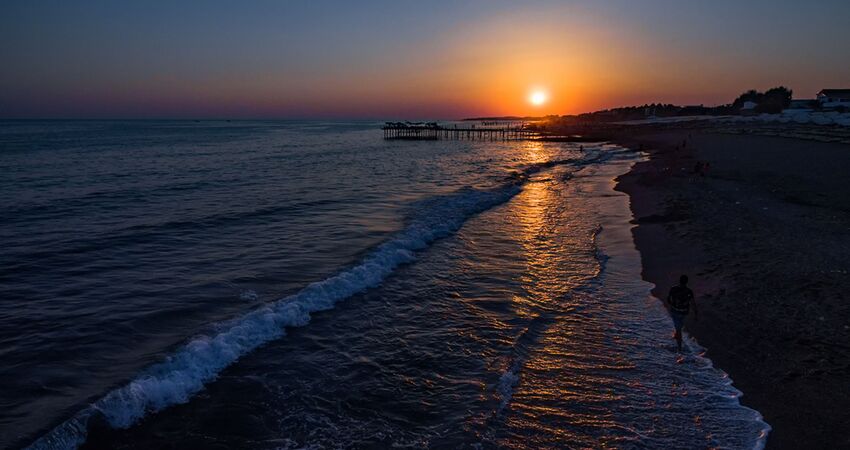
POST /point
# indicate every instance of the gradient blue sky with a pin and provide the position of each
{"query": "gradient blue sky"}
(400, 59)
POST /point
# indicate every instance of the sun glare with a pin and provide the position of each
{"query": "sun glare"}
(537, 98)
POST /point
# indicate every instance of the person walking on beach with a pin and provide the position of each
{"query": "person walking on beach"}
(680, 299)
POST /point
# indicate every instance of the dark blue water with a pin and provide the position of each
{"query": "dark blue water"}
(292, 284)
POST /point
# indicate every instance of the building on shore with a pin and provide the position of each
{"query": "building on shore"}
(749, 108)
(834, 98)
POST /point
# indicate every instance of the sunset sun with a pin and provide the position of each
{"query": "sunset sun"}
(537, 98)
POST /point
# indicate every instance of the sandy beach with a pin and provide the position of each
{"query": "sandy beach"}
(765, 237)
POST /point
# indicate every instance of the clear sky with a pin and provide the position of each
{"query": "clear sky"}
(406, 59)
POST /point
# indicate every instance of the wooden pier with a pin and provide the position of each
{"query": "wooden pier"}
(433, 132)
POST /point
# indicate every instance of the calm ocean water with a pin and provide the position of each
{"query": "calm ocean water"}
(307, 284)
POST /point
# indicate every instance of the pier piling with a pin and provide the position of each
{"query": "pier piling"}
(433, 131)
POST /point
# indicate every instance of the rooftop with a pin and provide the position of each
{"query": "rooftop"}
(841, 93)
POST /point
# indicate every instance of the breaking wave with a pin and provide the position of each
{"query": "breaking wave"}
(185, 372)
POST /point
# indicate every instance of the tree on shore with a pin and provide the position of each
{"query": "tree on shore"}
(775, 100)
(750, 96)
(772, 101)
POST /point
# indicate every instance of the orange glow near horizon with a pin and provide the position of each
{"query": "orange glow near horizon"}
(584, 56)
(545, 67)
(576, 66)
(455, 76)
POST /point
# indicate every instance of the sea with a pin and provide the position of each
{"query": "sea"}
(308, 284)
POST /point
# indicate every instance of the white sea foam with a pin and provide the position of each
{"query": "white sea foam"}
(728, 392)
(507, 382)
(182, 374)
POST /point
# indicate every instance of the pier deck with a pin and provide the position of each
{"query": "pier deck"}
(434, 132)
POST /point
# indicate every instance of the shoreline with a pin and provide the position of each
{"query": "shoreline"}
(726, 230)
(618, 241)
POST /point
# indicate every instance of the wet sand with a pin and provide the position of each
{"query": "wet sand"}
(765, 238)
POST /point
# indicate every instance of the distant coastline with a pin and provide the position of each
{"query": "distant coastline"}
(505, 118)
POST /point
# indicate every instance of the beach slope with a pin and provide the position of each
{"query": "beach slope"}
(764, 235)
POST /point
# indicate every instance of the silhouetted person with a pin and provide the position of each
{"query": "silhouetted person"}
(698, 168)
(680, 299)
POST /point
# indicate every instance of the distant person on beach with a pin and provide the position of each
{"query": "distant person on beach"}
(698, 168)
(680, 299)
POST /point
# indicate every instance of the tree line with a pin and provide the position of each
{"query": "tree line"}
(771, 101)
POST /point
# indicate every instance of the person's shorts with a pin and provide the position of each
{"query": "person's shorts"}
(678, 319)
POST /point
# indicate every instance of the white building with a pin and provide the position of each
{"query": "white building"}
(833, 98)
(749, 108)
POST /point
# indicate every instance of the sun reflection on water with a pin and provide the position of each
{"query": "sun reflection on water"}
(562, 363)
